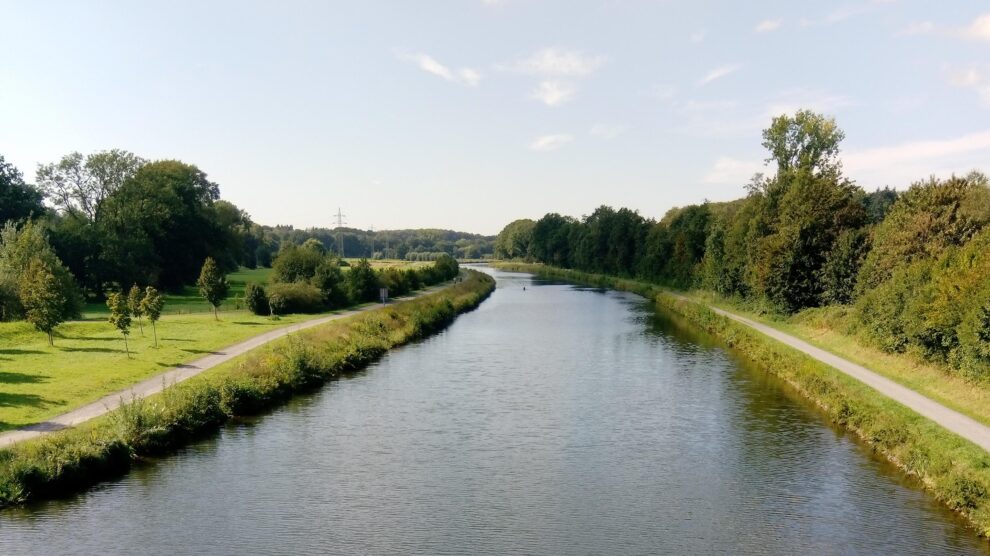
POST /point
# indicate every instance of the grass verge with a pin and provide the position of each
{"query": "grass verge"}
(955, 471)
(72, 459)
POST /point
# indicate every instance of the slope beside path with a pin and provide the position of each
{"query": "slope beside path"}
(172, 376)
(964, 426)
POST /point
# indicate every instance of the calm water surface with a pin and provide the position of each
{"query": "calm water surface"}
(552, 420)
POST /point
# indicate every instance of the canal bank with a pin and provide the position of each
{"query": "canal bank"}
(68, 460)
(554, 419)
(955, 470)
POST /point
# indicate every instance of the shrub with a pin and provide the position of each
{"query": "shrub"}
(256, 299)
(297, 297)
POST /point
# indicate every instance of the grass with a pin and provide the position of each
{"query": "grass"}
(188, 300)
(68, 460)
(88, 360)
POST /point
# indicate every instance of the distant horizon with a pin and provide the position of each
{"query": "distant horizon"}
(468, 116)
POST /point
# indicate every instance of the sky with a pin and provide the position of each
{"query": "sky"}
(469, 114)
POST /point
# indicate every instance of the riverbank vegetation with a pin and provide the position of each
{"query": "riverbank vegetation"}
(901, 272)
(68, 460)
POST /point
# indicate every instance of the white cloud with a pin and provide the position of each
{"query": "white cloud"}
(719, 73)
(978, 30)
(973, 78)
(425, 62)
(607, 131)
(550, 142)
(697, 37)
(792, 100)
(918, 28)
(902, 164)
(554, 93)
(558, 62)
(732, 171)
(768, 25)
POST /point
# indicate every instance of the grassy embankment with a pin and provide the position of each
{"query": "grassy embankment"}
(88, 361)
(954, 470)
(68, 460)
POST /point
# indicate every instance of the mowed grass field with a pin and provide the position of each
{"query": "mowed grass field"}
(88, 360)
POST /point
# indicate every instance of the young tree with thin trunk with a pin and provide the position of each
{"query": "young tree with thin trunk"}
(42, 298)
(120, 316)
(212, 285)
(134, 305)
(151, 306)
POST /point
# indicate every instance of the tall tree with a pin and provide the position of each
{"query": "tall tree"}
(806, 141)
(212, 285)
(42, 297)
(79, 185)
(120, 316)
(18, 247)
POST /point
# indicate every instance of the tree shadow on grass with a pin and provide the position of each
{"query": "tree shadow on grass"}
(89, 338)
(16, 351)
(204, 351)
(93, 350)
(17, 400)
(246, 323)
(177, 340)
(21, 378)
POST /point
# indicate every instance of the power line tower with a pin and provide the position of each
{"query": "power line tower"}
(340, 236)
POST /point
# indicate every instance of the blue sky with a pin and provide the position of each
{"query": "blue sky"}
(468, 114)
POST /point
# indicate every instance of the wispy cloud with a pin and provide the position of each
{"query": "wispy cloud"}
(554, 93)
(732, 171)
(607, 131)
(792, 100)
(558, 67)
(917, 28)
(974, 78)
(550, 142)
(698, 36)
(425, 62)
(978, 30)
(768, 25)
(559, 62)
(902, 164)
(719, 73)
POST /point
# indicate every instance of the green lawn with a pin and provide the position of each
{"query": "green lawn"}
(88, 361)
(188, 299)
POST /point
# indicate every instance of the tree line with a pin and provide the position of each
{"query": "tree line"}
(907, 268)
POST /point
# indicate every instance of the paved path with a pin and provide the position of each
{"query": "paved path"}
(964, 426)
(174, 375)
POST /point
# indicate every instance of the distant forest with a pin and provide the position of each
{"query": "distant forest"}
(110, 219)
(905, 270)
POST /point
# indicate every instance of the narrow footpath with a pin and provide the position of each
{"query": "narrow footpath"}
(964, 426)
(175, 375)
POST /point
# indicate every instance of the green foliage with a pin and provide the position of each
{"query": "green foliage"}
(806, 142)
(68, 460)
(18, 248)
(18, 200)
(212, 284)
(294, 297)
(134, 298)
(362, 282)
(296, 264)
(120, 316)
(42, 298)
(513, 241)
(255, 299)
(151, 306)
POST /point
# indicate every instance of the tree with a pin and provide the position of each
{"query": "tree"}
(120, 316)
(79, 185)
(18, 247)
(513, 241)
(134, 305)
(18, 200)
(362, 282)
(212, 285)
(42, 298)
(151, 305)
(276, 304)
(806, 141)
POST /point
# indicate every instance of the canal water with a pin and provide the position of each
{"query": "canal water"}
(554, 419)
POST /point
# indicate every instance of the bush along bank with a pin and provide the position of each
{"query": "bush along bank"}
(954, 470)
(69, 460)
